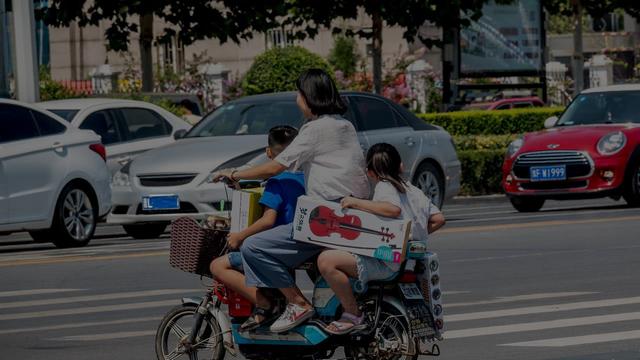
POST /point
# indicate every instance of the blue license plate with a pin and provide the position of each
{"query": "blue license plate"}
(548, 173)
(161, 202)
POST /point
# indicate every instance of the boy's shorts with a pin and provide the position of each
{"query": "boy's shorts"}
(235, 260)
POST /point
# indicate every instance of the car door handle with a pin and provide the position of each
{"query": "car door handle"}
(57, 146)
(124, 160)
(409, 141)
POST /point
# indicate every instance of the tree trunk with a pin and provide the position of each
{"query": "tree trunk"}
(578, 57)
(146, 57)
(377, 52)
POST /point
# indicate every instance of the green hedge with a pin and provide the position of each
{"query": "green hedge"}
(489, 122)
(481, 171)
(483, 142)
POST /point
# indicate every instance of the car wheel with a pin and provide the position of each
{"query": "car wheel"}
(632, 188)
(430, 181)
(145, 231)
(526, 204)
(75, 217)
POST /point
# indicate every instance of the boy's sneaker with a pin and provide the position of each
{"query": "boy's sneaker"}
(293, 316)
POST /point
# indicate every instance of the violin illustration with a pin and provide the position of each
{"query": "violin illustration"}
(323, 221)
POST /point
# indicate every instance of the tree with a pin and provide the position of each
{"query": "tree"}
(344, 55)
(188, 20)
(306, 18)
(576, 9)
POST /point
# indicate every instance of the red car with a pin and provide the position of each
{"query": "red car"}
(592, 150)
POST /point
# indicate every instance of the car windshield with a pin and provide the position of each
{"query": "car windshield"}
(603, 108)
(248, 119)
(65, 114)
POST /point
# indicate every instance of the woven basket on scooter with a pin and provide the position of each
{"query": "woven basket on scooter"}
(193, 247)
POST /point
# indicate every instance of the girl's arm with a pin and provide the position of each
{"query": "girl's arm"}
(381, 208)
(436, 221)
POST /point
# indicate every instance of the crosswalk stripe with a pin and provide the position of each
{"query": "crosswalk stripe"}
(112, 296)
(581, 340)
(541, 325)
(35, 292)
(507, 299)
(107, 336)
(543, 309)
(80, 325)
(88, 310)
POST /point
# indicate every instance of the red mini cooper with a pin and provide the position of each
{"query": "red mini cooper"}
(592, 150)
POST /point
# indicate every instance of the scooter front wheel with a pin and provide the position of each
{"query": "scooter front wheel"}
(172, 337)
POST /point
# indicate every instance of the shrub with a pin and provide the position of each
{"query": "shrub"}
(53, 90)
(344, 55)
(481, 171)
(483, 142)
(277, 69)
(498, 122)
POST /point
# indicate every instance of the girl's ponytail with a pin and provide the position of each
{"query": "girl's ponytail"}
(385, 162)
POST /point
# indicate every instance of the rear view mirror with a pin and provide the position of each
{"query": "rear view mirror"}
(550, 122)
(179, 134)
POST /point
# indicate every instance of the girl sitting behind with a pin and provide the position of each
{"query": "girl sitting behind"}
(393, 197)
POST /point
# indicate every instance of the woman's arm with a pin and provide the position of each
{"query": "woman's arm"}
(436, 221)
(381, 208)
(258, 172)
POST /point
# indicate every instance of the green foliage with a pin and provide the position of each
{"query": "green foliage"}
(481, 171)
(277, 69)
(163, 103)
(496, 122)
(344, 55)
(483, 142)
(53, 90)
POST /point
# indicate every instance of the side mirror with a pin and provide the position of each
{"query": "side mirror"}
(179, 134)
(550, 122)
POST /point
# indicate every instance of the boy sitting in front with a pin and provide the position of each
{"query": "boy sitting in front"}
(279, 204)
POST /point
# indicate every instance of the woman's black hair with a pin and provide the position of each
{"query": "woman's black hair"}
(385, 162)
(320, 93)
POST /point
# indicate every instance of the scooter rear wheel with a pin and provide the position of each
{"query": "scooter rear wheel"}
(393, 328)
(173, 333)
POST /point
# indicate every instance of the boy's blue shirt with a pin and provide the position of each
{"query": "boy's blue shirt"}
(281, 194)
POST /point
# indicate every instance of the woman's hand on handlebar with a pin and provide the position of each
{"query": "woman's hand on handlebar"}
(221, 175)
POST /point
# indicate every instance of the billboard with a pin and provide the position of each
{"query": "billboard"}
(507, 39)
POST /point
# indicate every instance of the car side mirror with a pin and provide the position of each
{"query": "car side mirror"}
(550, 122)
(179, 134)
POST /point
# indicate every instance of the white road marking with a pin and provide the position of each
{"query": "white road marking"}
(507, 299)
(543, 309)
(107, 336)
(580, 340)
(79, 325)
(538, 216)
(541, 325)
(89, 310)
(35, 292)
(515, 256)
(102, 297)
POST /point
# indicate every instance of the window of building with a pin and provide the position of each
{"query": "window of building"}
(278, 38)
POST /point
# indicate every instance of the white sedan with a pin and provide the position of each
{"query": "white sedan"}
(127, 127)
(53, 179)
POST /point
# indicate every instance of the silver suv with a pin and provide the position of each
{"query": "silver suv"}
(166, 183)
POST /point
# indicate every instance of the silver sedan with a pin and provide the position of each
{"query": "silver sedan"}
(166, 183)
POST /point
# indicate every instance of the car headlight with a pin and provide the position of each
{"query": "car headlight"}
(612, 143)
(514, 147)
(121, 177)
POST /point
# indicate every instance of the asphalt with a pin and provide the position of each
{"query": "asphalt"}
(560, 284)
